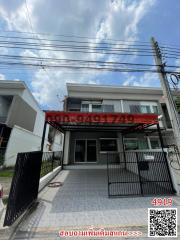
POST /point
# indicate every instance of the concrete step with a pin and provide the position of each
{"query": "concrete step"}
(85, 166)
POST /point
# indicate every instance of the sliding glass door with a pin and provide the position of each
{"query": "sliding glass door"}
(91, 151)
(85, 151)
(80, 150)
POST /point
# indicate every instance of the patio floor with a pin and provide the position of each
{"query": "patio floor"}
(82, 201)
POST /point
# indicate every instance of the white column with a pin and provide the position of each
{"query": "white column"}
(120, 142)
(122, 106)
(149, 142)
(66, 147)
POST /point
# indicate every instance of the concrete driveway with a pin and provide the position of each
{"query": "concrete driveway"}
(82, 202)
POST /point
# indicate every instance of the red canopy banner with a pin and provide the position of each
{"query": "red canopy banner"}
(109, 118)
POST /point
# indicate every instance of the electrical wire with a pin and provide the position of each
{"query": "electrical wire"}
(119, 48)
(143, 43)
(79, 42)
(129, 49)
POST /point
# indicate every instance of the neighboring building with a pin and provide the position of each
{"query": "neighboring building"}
(83, 145)
(22, 122)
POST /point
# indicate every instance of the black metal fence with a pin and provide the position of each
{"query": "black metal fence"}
(138, 173)
(50, 160)
(24, 187)
(30, 166)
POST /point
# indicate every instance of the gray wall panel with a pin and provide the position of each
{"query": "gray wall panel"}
(21, 114)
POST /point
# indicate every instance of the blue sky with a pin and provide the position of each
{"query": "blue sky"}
(128, 20)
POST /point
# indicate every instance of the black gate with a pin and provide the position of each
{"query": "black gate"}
(138, 173)
(25, 184)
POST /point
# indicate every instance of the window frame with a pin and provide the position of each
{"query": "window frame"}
(113, 151)
(103, 108)
(155, 112)
(137, 140)
(91, 104)
(148, 107)
(154, 138)
(96, 104)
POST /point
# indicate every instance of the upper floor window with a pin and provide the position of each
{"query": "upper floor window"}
(140, 109)
(143, 109)
(155, 109)
(108, 108)
(85, 107)
(90, 107)
(134, 108)
(96, 108)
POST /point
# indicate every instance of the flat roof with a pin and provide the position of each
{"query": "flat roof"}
(17, 84)
(109, 86)
(74, 87)
(77, 87)
(13, 84)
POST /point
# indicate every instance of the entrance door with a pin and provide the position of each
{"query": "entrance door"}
(80, 151)
(85, 151)
(91, 151)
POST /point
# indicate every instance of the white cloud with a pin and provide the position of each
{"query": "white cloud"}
(148, 79)
(2, 77)
(98, 19)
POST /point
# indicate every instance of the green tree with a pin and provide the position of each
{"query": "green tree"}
(178, 103)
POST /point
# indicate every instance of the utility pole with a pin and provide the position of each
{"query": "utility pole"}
(171, 107)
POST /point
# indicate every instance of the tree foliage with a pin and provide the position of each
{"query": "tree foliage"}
(178, 103)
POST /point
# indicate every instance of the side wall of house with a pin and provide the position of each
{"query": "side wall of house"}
(21, 140)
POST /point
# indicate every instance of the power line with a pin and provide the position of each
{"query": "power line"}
(75, 60)
(79, 37)
(32, 26)
(119, 48)
(123, 48)
(72, 50)
(90, 67)
(104, 44)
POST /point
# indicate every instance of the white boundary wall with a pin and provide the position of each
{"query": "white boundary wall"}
(21, 140)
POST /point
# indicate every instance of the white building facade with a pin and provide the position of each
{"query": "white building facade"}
(22, 122)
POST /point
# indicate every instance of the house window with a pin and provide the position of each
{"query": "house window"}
(155, 144)
(155, 109)
(135, 144)
(85, 107)
(130, 144)
(92, 107)
(145, 109)
(134, 108)
(108, 145)
(96, 108)
(139, 109)
(108, 108)
(143, 144)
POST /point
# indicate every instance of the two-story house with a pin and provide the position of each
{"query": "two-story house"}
(85, 144)
(121, 130)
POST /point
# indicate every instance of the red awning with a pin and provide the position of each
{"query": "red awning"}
(62, 119)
